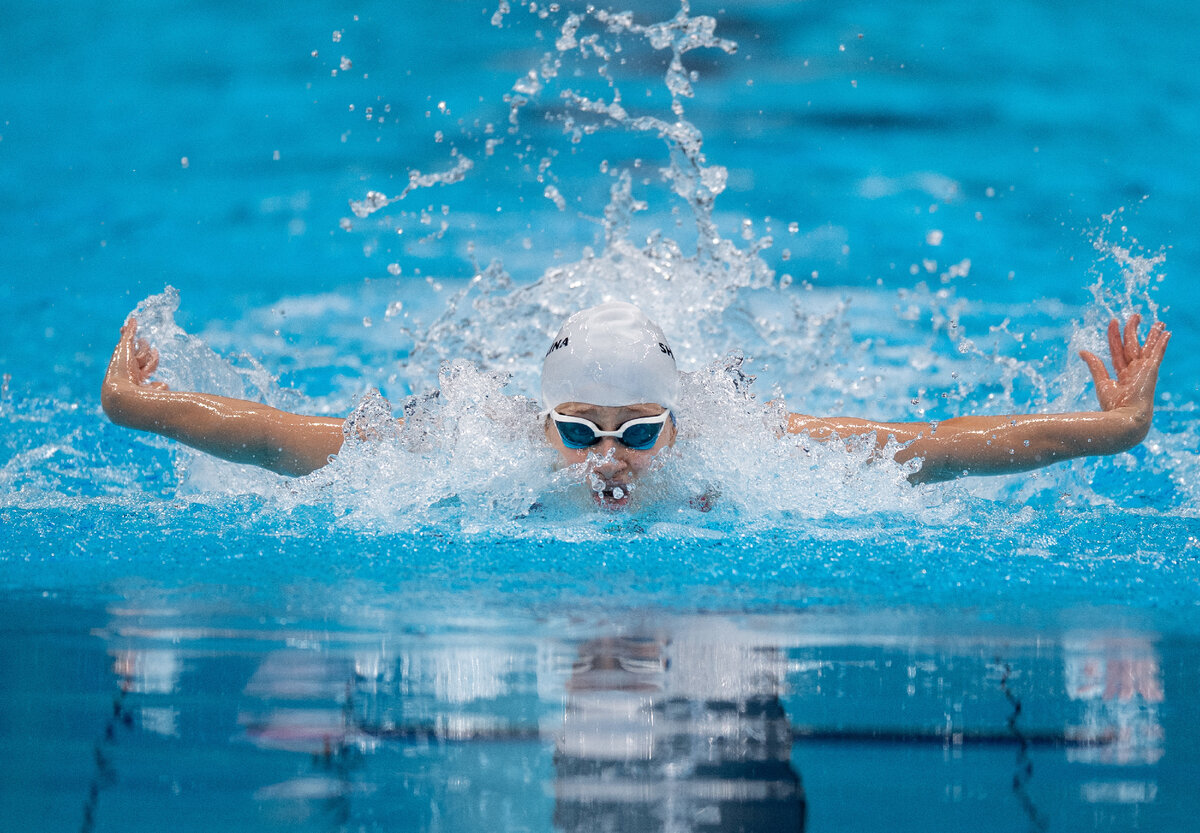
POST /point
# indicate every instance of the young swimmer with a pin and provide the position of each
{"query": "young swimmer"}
(609, 392)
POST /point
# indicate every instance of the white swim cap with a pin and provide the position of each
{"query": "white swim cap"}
(610, 355)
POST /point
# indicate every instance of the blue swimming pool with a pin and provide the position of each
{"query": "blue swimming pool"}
(917, 211)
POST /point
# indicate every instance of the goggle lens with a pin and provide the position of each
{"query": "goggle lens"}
(641, 437)
(576, 435)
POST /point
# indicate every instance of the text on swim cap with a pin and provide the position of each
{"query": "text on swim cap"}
(562, 342)
(664, 348)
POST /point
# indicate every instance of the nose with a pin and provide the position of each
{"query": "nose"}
(612, 457)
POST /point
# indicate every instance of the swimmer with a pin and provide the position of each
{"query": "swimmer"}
(609, 395)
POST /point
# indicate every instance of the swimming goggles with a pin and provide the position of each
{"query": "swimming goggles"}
(638, 434)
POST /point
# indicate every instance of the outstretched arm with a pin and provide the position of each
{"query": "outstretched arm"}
(975, 445)
(233, 429)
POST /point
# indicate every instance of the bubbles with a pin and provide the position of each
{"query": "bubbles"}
(467, 457)
(501, 10)
(551, 193)
(1138, 270)
(734, 453)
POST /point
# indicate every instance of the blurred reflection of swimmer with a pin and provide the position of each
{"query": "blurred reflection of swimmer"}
(675, 735)
(1118, 682)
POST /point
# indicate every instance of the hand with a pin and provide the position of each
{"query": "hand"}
(1136, 365)
(133, 361)
(128, 378)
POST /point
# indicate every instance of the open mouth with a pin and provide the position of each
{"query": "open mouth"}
(612, 496)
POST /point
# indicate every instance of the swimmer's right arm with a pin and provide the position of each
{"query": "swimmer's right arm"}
(232, 429)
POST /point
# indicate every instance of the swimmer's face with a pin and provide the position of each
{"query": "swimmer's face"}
(612, 466)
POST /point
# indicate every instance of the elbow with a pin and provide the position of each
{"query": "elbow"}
(1139, 429)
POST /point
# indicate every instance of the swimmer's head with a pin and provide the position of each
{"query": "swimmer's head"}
(610, 355)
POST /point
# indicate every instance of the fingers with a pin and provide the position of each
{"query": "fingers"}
(1115, 347)
(129, 329)
(1126, 348)
(1133, 348)
(151, 363)
(147, 356)
(133, 359)
(119, 363)
(1156, 341)
(1099, 371)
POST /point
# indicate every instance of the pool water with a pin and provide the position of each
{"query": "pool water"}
(905, 212)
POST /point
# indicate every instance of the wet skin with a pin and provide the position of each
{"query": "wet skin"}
(611, 467)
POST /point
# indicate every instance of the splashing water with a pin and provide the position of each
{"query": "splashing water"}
(470, 454)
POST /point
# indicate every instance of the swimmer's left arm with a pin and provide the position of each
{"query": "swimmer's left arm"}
(982, 445)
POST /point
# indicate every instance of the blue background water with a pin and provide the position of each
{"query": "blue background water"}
(1011, 128)
(1067, 113)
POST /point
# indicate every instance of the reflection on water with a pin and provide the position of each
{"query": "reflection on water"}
(675, 736)
(1119, 683)
(656, 722)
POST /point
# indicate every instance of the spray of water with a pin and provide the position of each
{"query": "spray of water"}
(470, 453)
